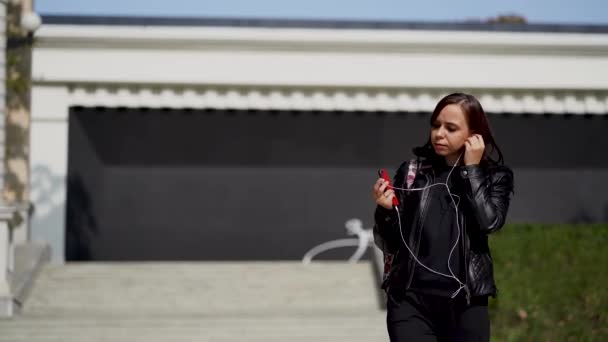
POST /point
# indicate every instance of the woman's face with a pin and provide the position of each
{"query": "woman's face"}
(449, 131)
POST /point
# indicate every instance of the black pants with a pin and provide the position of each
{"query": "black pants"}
(420, 317)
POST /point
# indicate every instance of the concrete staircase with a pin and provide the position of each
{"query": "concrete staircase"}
(257, 301)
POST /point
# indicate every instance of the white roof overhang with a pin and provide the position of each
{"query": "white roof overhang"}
(322, 69)
(339, 99)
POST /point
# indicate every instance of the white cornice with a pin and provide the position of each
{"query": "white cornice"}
(321, 40)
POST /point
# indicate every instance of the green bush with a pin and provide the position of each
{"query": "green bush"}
(552, 281)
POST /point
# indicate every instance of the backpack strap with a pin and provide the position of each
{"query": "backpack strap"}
(411, 172)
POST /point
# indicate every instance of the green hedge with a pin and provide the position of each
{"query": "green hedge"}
(552, 281)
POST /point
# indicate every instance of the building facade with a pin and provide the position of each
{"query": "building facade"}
(185, 139)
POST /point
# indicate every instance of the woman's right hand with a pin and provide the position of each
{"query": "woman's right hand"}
(382, 195)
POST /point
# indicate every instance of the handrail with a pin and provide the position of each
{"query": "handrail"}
(364, 238)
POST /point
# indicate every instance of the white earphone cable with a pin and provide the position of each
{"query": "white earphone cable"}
(451, 275)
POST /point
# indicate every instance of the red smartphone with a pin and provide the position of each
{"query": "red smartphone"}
(384, 175)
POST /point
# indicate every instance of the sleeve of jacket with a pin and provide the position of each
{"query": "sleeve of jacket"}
(489, 193)
(386, 224)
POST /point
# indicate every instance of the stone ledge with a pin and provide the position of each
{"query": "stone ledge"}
(29, 259)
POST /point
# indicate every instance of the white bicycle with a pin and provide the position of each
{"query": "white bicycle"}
(363, 239)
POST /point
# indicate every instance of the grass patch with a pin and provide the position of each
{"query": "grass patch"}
(552, 281)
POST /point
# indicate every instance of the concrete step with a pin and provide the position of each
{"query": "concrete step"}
(219, 301)
(176, 328)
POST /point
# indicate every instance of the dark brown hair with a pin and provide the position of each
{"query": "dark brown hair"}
(477, 121)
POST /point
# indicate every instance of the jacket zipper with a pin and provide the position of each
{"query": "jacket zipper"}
(466, 260)
(421, 218)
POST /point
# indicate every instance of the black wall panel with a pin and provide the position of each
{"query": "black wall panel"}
(250, 185)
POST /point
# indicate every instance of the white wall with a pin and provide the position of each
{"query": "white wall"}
(49, 146)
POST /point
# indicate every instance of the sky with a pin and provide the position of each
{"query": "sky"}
(535, 11)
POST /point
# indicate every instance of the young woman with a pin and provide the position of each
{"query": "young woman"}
(451, 196)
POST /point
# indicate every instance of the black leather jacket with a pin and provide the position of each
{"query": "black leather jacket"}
(482, 210)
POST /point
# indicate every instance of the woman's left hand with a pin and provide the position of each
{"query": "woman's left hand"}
(474, 148)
